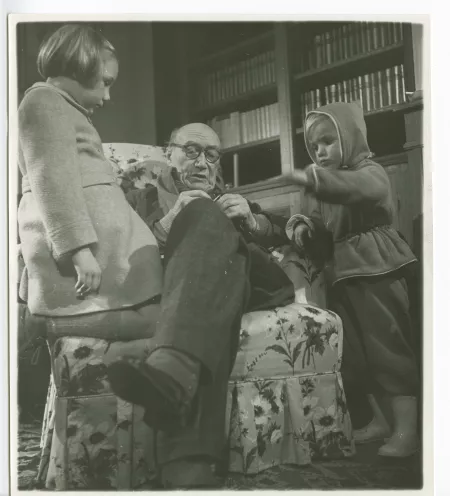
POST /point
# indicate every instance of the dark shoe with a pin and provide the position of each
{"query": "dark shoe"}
(189, 473)
(167, 404)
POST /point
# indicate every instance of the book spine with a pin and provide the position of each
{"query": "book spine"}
(333, 93)
(243, 129)
(272, 67)
(345, 91)
(383, 34)
(376, 35)
(323, 45)
(356, 96)
(276, 119)
(238, 132)
(229, 82)
(357, 38)
(242, 78)
(399, 29)
(369, 36)
(328, 48)
(402, 84)
(311, 55)
(394, 33)
(267, 68)
(338, 92)
(360, 90)
(363, 38)
(396, 85)
(307, 102)
(336, 44)
(351, 41)
(376, 90)
(343, 41)
(236, 79)
(373, 89)
(265, 121)
(318, 51)
(388, 79)
(318, 99)
(366, 93)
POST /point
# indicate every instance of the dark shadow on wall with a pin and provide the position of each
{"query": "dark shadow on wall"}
(130, 117)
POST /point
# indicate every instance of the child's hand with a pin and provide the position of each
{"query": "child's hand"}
(297, 177)
(300, 233)
(88, 271)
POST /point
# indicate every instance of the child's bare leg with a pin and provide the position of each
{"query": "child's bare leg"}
(377, 429)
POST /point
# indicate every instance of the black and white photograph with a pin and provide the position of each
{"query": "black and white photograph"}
(217, 273)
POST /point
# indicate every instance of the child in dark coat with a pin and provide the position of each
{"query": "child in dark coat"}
(352, 200)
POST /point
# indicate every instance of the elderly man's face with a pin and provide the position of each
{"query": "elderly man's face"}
(200, 172)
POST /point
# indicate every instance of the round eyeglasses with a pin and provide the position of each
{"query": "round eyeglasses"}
(193, 151)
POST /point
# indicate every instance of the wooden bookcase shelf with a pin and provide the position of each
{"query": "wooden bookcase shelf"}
(252, 144)
(231, 103)
(399, 107)
(349, 63)
(232, 51)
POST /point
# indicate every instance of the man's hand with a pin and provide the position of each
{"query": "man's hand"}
(186, 197)
(88, 271)
(237, 207)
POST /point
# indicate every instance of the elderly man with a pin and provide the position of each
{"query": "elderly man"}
(215, 269)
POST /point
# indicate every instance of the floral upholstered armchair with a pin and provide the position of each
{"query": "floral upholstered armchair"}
(286, 402)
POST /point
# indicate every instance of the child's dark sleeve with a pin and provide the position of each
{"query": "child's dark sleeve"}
(368, 184)
(271, 227)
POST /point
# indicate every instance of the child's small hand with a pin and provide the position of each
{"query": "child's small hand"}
(301, 232)
(88, 271)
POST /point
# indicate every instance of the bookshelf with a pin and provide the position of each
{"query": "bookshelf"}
(254, 82)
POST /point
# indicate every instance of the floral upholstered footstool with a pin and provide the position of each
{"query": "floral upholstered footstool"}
(286, 399)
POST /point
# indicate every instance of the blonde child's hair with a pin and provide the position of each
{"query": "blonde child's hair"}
(74, 51)
(312, 119)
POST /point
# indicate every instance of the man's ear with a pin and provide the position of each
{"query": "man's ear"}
(168, 153)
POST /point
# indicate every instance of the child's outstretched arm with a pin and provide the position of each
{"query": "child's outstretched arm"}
(368, 184)
(48, 143)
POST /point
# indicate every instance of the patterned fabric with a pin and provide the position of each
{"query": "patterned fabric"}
(135, 165)
(286, 397)
(90, 438)
(286, 404)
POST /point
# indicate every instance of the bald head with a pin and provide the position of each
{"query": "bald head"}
(196, 132)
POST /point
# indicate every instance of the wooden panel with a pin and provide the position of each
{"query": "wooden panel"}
(413, 129)
(284, 74)
(406, 186)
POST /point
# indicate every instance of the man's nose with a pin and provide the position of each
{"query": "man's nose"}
(201, 161)
(321, 151)
(106, 95)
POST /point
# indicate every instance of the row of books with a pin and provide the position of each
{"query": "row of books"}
(239, 78)
(348, 41)
(374, 91)
(239, 128)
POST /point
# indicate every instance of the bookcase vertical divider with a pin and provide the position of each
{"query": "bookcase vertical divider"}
(235, 170)
(410, 83)
(284, 83)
